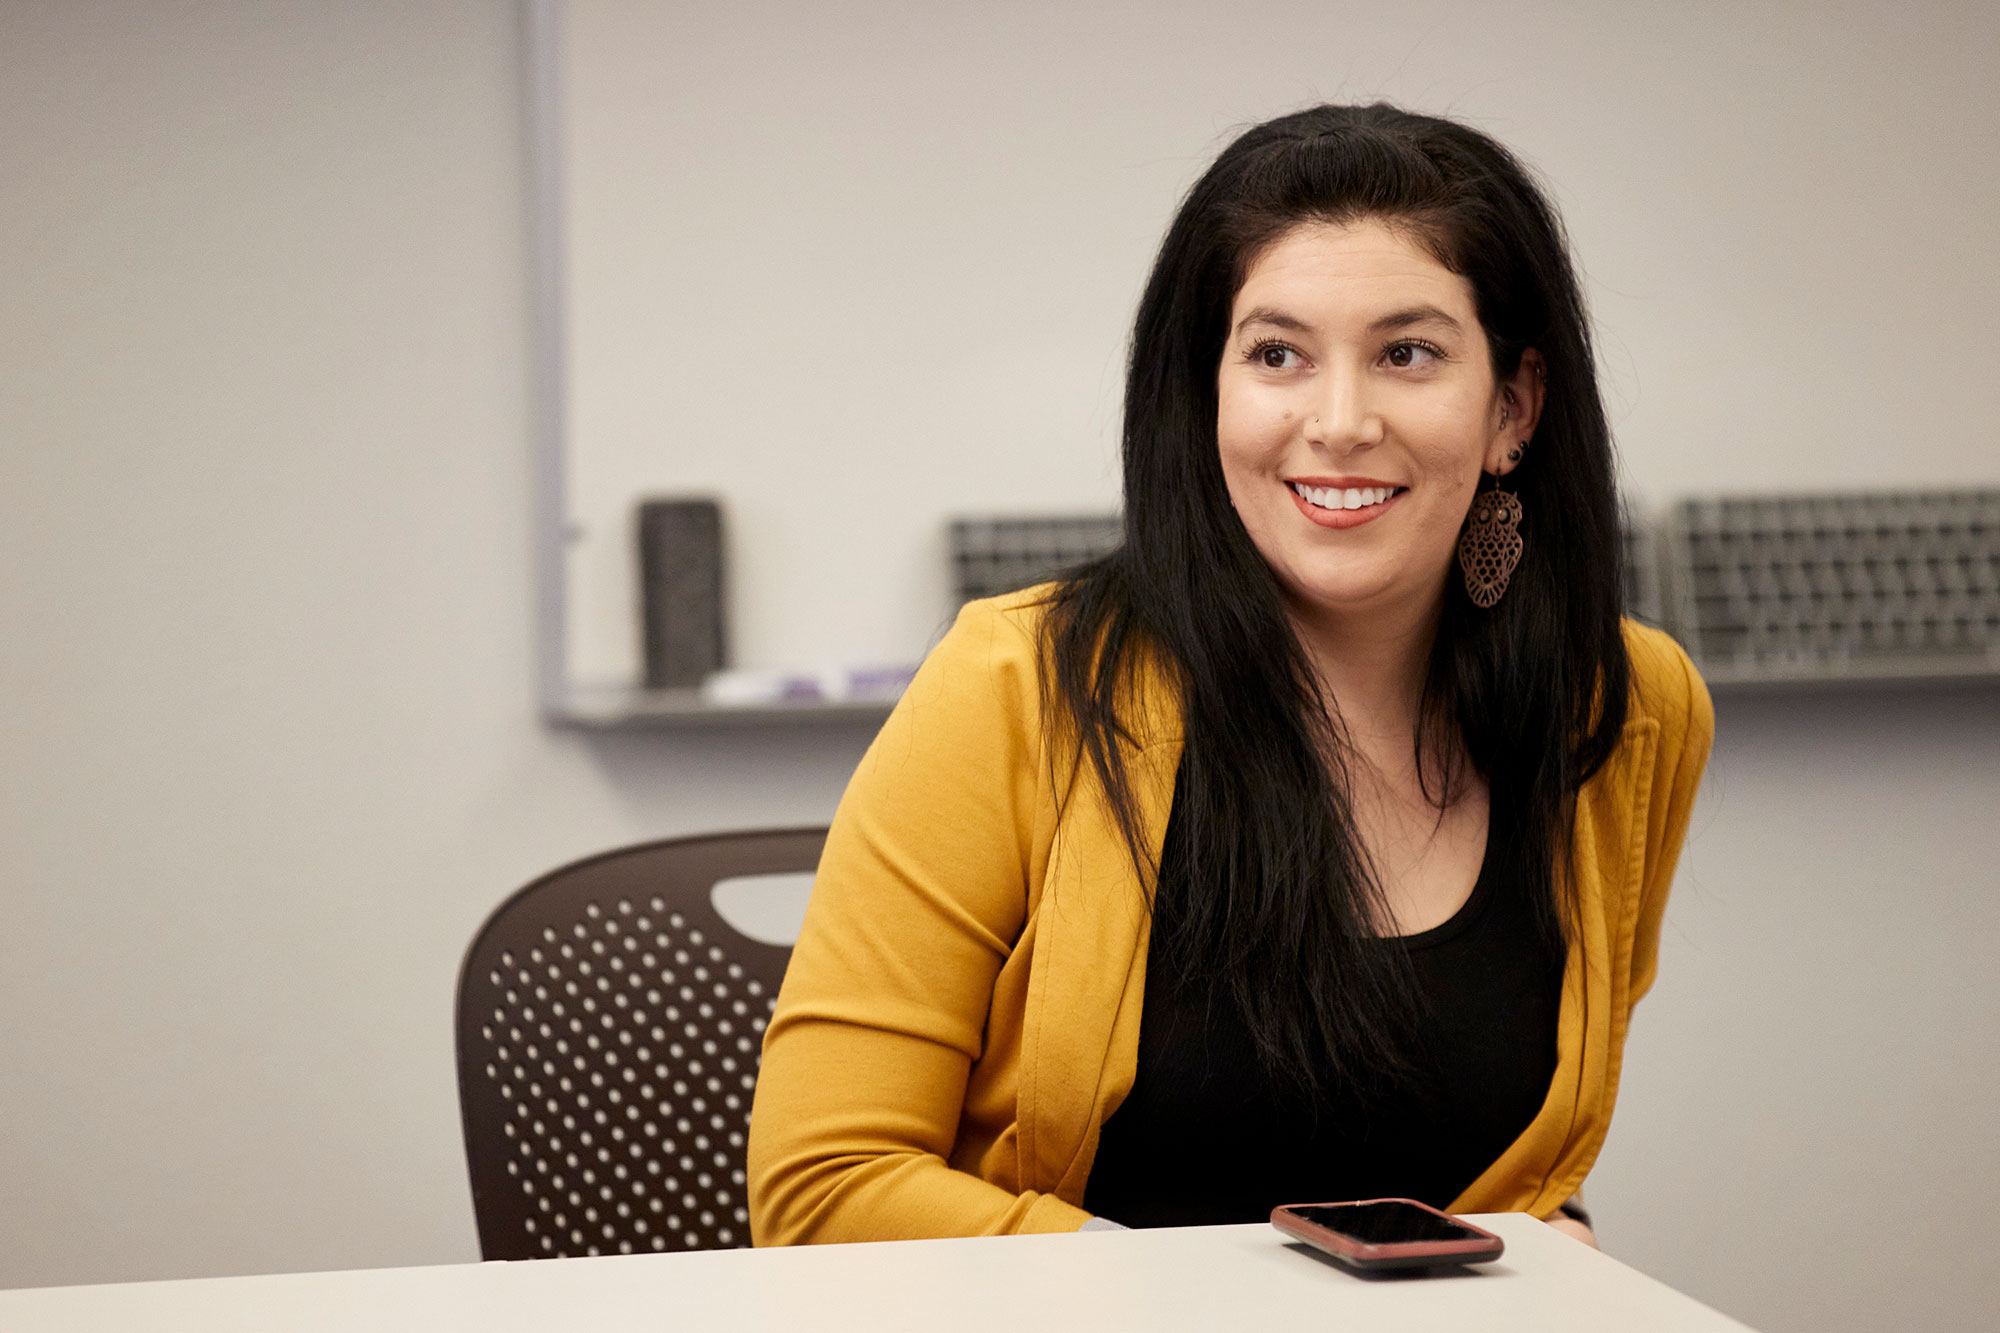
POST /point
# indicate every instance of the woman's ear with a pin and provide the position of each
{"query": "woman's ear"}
(1520, 398)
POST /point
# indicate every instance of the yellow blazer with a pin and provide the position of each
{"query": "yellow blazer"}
(961, 1015)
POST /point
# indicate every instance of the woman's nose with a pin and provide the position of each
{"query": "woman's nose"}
(1342, 417)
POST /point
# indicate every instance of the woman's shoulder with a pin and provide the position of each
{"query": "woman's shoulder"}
(1665, 687)
(995, 636)
(986, 670)
(1001, 649)
(1019, 614)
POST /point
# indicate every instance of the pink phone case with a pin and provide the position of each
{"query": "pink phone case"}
(1477, 1248)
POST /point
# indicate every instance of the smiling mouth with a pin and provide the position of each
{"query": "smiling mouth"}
(1335, 498)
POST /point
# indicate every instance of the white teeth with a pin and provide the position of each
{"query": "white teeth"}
(1334, 497)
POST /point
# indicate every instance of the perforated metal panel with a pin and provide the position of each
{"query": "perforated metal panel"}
(1897, 585)
(610, 1024)
(996, 555)
(990, 556)
(1644, 599)
(1759, 589)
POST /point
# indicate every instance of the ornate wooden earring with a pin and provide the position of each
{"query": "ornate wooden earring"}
(1490, 547)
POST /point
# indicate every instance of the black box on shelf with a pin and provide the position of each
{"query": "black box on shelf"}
(680, 582)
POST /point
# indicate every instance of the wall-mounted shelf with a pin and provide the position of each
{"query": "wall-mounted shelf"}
(1899, 673)
(1767, 593)
(638, 709)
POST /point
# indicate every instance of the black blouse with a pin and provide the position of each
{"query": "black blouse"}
(1208, 1136)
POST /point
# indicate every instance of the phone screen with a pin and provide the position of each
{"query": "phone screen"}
(1384, 1223)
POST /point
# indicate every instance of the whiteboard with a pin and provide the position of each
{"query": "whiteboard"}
(859, 268)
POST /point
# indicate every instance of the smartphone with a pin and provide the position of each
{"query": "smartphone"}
(1378, 1234)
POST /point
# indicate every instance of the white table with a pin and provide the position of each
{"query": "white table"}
(1207, 1278)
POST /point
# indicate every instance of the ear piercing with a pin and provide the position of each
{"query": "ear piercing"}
(1513, 455)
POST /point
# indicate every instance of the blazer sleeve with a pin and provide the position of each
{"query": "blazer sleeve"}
(1668, 689)
(920, 896)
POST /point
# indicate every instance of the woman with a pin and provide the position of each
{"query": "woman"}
(1314, 844)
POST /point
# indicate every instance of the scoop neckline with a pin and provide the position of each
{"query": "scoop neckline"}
(1468, 911)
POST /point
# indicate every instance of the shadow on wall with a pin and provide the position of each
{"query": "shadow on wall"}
(721, 779)
(1961, 718)
(1819, 1047)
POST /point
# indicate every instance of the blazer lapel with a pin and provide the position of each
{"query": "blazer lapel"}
(1080, 1044)
(1548, 1162)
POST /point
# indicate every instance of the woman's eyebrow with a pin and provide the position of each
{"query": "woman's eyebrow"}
(1265, 314)
(1416, 314)
(1389, 323)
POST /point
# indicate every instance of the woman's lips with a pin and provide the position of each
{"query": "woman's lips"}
(1343, 518)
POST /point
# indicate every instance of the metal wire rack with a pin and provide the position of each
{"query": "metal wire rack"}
(1760, 589)
(1902, 585)
(990, 556)
(1644, 597)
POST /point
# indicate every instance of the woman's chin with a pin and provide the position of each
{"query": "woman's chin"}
(1341, 608)
(1349, 594)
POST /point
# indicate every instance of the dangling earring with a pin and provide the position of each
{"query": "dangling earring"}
(1490, 546)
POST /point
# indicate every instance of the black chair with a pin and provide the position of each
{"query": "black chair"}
(609, 1028)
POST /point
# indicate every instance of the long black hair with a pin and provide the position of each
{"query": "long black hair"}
(1274, 901)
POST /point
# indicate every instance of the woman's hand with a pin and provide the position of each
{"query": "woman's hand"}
(1572, 1228)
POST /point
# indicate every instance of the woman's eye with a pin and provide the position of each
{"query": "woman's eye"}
(1405, 355)
(1274, 356)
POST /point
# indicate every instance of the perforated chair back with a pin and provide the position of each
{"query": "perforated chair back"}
(609, 1027)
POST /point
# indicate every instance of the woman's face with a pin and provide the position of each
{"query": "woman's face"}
(1357, 406)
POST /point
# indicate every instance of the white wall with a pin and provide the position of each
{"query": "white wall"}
(269, 751)
(857, 267)
(1806, 1132)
